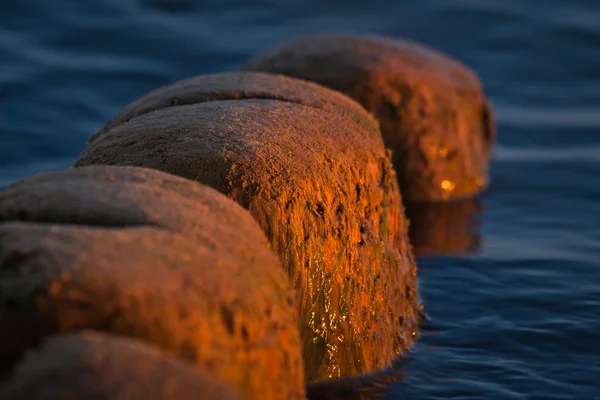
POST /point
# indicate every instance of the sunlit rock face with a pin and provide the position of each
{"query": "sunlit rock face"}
(310, 165)
(432, 109)
(91, 365)
(152, 256)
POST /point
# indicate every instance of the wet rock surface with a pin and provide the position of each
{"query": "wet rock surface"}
(309, 164)
(432, 109)
(151, 256)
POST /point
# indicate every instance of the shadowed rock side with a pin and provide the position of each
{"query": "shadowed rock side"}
(358, 387)
(432, 110)
(151, 256)
(321, 186)
(107, 367)
(445, 228)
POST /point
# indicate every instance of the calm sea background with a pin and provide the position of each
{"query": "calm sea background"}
(517, 316)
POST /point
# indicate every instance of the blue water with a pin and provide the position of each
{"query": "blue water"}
(518, 317)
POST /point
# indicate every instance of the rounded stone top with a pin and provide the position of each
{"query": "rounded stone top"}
(432, 109)
(240, 86)
(377, 53)
(120, 197)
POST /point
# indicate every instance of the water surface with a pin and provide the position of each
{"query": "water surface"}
(515, 317)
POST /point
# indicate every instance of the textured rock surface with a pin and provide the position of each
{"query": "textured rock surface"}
(152, 256)
(318, 180)
(432, 109)
(106, 367)
(216, 87)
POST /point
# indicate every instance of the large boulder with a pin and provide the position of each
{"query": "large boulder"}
(310, 165)
(152, 256)
(371, 386)
(432, 109)
(107, 367)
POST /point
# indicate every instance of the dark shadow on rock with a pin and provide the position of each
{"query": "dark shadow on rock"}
(95, 366)
(370, 386)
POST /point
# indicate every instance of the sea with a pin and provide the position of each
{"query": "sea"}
(511, 285)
